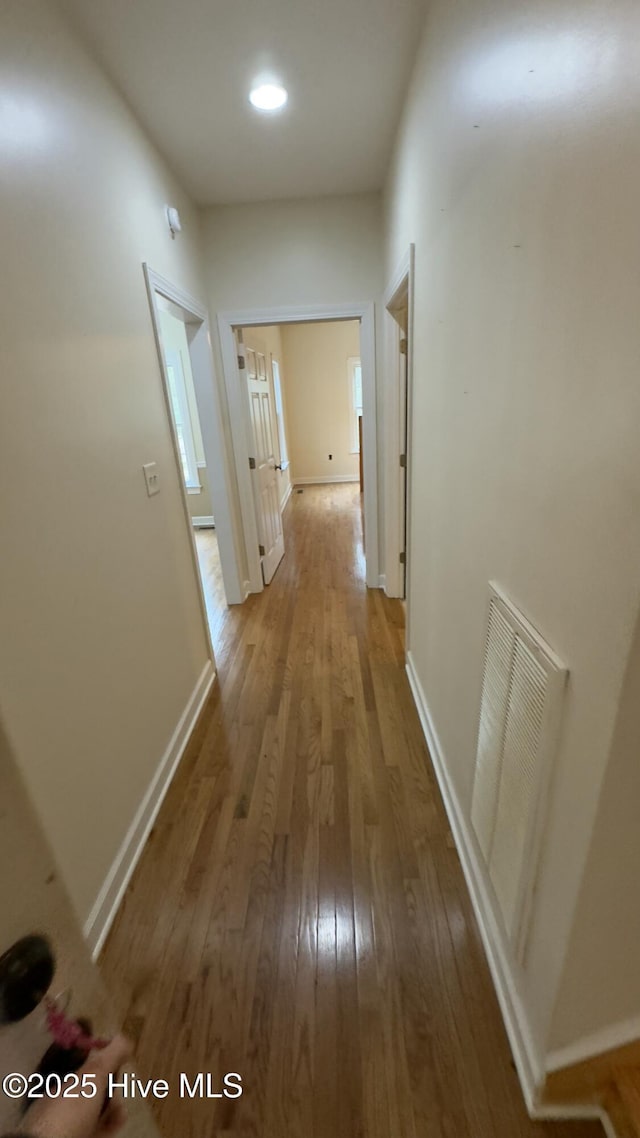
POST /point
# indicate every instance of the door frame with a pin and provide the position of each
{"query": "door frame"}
(198, 332)
(239, 416)
(401, 284)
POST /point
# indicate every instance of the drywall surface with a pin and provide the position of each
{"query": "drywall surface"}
(313, 251)
(101, 636)
(601, 979)
(517, 175)
(318, 395)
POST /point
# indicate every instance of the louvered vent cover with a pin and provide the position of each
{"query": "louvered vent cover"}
(520, 710)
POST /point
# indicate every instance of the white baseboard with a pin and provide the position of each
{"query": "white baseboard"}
(529, 1062)
(608, 1126)
(574, 1111)
(287, 495)
(609, 1038)
(203, 521)
(106, 906)
(527, 1059)
(382, 582)
(322, 481)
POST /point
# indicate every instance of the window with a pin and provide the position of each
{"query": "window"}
(354, 367)
(275, 370)
(182, 420)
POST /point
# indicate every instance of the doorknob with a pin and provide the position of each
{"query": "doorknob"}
(277, 466)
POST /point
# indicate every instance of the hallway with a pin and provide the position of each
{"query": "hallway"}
(299, 914)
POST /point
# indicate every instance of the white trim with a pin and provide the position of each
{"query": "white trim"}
(403, 279)
(403, 270)
(293, 314)
(200, 521)
(108, 900)
(382, 581)
(608, 1126)
(210, 415)
(525, 1053)
(585, 1111)
(287, 495)
(241, 450)
(607, 1039)
(321, 480)
(238, 414)
(201, 464)
(194, 489)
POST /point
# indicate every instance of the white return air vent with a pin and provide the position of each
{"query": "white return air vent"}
(522, 694)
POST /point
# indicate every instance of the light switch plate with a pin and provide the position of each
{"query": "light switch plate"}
(152, 478)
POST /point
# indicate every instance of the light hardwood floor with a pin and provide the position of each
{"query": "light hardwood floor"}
(299, 914)
(212, 583)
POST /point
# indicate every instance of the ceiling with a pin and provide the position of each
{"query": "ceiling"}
(186, 70)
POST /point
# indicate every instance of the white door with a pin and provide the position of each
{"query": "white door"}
(255, 373)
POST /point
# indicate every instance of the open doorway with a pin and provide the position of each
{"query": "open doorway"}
(398, 334)
(183, 341)
(305, 396)
(357, 375)
(193, 466)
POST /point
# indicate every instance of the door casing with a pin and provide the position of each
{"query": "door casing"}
(398, 292)
(238, 403)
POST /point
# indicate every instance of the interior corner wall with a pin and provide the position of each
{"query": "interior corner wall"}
(600, 988)
(517, 175)
(318, 393)
(102, 641)
(313, 251)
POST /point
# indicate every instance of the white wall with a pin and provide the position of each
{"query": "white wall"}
(517, 175)
(101, 636)
(318, 398)
(601, 978)
(315, 251)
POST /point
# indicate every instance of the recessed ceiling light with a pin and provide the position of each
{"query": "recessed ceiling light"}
(268, 97)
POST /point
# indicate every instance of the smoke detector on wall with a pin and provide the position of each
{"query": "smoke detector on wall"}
(173, 219)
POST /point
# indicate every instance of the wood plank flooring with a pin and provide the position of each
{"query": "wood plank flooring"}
(211, 576)
(299, 914)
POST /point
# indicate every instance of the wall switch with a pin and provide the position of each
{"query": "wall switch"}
(152, 478)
